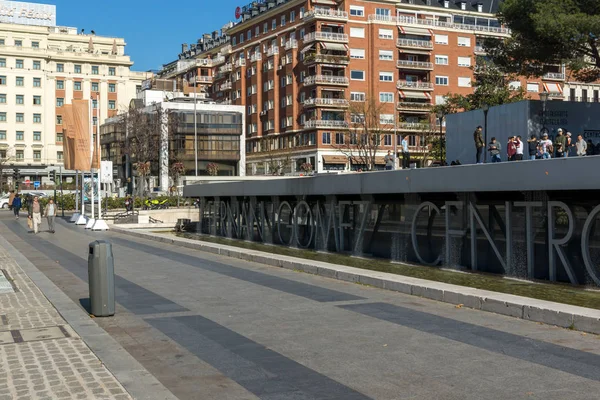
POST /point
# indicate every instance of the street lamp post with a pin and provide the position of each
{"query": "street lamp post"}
(544, 98)
(485, 107)
(440, 115)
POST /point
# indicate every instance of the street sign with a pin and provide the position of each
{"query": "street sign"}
(27, 181)
(106, 171)
(36, 184)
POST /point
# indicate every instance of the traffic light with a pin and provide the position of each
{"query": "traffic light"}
(17, 178)
(53, 176)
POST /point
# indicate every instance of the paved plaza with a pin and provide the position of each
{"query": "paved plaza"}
(211, 327)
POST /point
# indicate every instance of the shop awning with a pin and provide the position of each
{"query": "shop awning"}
(414, 95)
(358, 160)
(410, 30)
(379, 160)
(335, 160)
(327, 2)
(307, 48)
(553, 88)
(334, 46)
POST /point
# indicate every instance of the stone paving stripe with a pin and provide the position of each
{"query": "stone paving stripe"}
(17, 336)
(575, 362)
(4, 319)
(300, 289)
(133, 297)
(64, 331)
(264, 372)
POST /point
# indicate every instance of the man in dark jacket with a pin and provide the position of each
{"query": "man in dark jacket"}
(479, 144)
(16, 205)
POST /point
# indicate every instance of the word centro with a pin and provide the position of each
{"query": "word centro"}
(25, 13)
(312, 226)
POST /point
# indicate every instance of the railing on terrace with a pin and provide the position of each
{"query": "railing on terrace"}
(414, 105)
(414, 85)
(204, 79)
(326, 79)
(326, 102)
(325, 124)
(325, 13)
(414, 64)
(326, 36)
(404, 20)
(555, 76)
(414, 126)
(326, 58)
(240, 62)
(291, 44)
(255, 57)
(421, 44)
(272, 51)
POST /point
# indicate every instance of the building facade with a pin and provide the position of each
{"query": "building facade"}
(307, 71)
(42, 67)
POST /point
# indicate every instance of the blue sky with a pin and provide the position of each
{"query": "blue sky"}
(153, 30)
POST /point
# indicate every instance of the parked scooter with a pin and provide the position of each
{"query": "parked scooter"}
(154, 204)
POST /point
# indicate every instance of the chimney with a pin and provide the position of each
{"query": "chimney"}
(184, 47)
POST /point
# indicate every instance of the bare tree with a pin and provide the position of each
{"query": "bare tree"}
(277, 160)
(5, 158)
(366, 127)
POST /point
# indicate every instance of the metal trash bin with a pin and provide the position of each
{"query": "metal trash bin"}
(101, 278)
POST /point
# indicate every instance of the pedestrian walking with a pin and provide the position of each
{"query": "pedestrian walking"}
(532, 144)
(479, 144)
(11, 198)
(494, 149)
(50, 213)
(511, 149)
(559, 139)
(520, 146)
(568, 144)
(35, 214)
(390, 161)
(405, 153)
(581, 146)
(547, 148)
(16, 205)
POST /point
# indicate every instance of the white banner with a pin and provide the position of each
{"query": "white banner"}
(106, 172)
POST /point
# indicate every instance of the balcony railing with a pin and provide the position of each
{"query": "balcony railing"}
(413, 126)
(325, 124)
(326, 102)
(240, 62)
(255, 57)
(204, 79)
(326, 79)
(414, 85)
(405, 20)
(226, 68)
(291, 44)
(271, 51)
(409, 105)
(556, 76)
(326, 58)
(326, 37)
(479, 50)
(320, 13)
(225, 86)
(413, 43)
(414, 64)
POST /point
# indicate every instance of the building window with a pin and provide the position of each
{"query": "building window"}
(266, 28)
(37, 118)
(464, 61)
(3, 137)
(19, 43)
(20, 99)
(357, 53)
(94, 104)
(2, 80)
(37, 65)
(3, 62)
(94, 86)
(20, 117)
(357, 96)
(441, 39)
(386, 34)
(20, 81)
(387, 55)
(59, 155)
(357, 32)
(77, 68)
(387, 140)
(386, 76)
(37, 100)
(2, 98)
(20, 135)
(37, 82)
(59, 120)
(292, 16)
(112, 105)
(37, 155)
(464, 41)
(441, 60)
(386, 97)
(95, 121)
(112, 87)
(95, 70)
(112, 71)
(60, 85)
(60, 102)
(60, 67)
(19, 64)
(533, 87)
(37, 136)
(357, 75)
(464, 82)
(326, 137)
(35, 45)
(339, 138)
(441, 80)
(357, 11)
(20, 155)
(386, 118)
(77, 86)
(59, 137)
(283, 20)
(2, 116)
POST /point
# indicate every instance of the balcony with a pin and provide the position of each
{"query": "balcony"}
(240, 62)
(226, 49)
(325, 124)
(415, 44)
(319, 13)
(326, 58)
(414, 126)
(226, 68)
(405, 20)
(554, 76)
(326, 80)
(255, 57)
(414, 107)
(225, 86)
(204, 79)
(414, 85)
(326, 37)
(271, 51)
(479, 50)
(318, 102)
(407, 64)
(291, 44)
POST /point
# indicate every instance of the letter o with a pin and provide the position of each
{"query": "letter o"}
(585, 245)
(310, 225)
(284, 204)
(439, 259)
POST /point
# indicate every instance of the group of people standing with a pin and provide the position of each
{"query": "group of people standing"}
(537, 149)
(35, 211)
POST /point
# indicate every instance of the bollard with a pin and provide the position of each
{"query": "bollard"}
(101, 278)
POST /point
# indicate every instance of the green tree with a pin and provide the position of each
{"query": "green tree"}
(547, 33)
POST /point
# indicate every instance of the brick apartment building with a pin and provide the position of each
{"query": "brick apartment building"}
(299, 66)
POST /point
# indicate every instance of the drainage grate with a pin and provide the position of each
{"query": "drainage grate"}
(5, 284)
